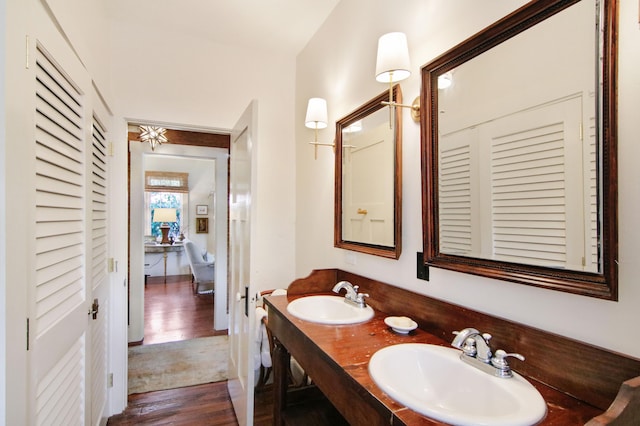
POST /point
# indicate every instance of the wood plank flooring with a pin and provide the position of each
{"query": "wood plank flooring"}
(194, 405)
(173, 312)
(207, 404)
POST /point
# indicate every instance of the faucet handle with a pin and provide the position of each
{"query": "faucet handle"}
(501, 355)
(499, 361)
(360, 297)
(469, 347)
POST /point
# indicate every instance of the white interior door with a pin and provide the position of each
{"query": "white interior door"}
(368, 192)
(59, 289)
(242, 307)
(97, 184)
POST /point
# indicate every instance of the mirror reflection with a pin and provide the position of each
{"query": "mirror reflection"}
(517, 177)
(368, 143)
(521, 185)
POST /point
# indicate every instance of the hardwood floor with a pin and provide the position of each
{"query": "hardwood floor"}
(194, 405)
(173, 312)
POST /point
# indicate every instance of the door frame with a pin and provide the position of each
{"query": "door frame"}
(136, 275)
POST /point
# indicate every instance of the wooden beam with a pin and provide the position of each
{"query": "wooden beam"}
(184, 137)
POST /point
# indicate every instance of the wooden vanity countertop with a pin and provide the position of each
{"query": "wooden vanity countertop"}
(337, 359)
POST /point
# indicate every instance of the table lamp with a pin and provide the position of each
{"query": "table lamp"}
(165, 216)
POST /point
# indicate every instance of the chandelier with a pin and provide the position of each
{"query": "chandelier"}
(154, 135)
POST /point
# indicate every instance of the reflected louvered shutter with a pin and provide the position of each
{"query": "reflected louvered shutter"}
(455, 200)
(528, 196)
(593, 262)
(508, 186)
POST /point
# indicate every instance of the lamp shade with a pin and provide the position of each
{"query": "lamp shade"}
(316, 114)
(445, 80)
(164, 215)
(392, 63)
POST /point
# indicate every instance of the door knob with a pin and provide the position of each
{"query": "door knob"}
(244, 296)
(95, 308)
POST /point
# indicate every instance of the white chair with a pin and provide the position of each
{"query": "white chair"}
(202, 267)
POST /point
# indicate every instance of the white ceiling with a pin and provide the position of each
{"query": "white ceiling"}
(284, 26)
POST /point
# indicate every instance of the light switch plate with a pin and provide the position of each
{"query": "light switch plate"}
(422, 270)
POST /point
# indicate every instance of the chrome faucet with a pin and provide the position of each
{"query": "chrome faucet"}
(483, 350)
(477, 352)
(352, 296)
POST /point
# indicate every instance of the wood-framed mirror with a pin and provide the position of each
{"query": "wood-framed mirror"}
(368, 179)
(519, 168)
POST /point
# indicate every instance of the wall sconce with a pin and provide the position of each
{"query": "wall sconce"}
(154, 135)
(392, 65)
(317, 119)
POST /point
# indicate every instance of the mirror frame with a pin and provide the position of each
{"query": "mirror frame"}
(603, 284)
(361, 112)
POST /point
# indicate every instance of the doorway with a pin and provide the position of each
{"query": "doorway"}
(204, 157)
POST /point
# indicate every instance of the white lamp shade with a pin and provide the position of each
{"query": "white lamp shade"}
(393, 58)
(445, 80)
(164, 215)
(316, 114)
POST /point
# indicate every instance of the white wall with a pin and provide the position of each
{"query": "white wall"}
(3, 223)
(87, 35)
(200, 84)
(339, 64)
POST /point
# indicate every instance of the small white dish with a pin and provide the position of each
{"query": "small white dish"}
(402, 325)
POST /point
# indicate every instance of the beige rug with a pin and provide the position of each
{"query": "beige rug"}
(178, 364)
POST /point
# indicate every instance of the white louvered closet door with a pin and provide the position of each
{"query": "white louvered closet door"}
(59, 293)
(97, 266)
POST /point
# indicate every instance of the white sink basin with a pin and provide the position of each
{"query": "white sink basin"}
(328, 310)
(433, 381)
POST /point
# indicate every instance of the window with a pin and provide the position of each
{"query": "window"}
(166, 181)
(166, 190)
